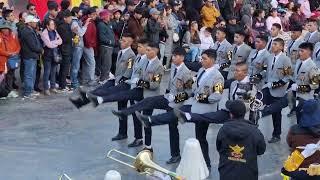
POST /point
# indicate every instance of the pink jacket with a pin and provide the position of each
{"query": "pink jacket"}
(46, 40)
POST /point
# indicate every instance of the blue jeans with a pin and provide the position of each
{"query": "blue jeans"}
(49, 72)
(89, 65)
(75, 66)
(195, 51)
(30, 69)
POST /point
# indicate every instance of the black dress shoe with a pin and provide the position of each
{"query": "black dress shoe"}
(180, 115)
(119, 137)
(143, 119)
(136, 143)
(174, 160)
(118, 114)
(78, 103)
(274, 139)
(93, 99)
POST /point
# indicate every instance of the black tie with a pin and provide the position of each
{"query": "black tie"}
(269, 45)
(235, 50)
(299, 67)
(175, 72)
(147, 65)
(235, 91)
(318, 52)
(255, 56)
(138, 60)
(120, 55)
(291, 46)
(274, 60)
(218, 47)
(200, 77)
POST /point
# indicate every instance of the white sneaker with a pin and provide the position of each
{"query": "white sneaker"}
(35, 93)
(13, 94)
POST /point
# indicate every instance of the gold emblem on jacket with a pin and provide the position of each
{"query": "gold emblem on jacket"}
(218, 88)
(130, 63)
(236, 153)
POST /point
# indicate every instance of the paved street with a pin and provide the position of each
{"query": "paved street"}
(41, 139)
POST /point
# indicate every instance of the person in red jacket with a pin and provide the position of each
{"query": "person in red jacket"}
(90, 45)
(9, 49)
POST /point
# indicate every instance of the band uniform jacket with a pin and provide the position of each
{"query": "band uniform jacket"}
(256, 61)
(122, 68)
(275, 74)
(293, 50)
(239, 54)
(222, 50)
(206, 85)
(177, 83)
(137, 68)
(303, 76)
(150, 70)
(312, 37)
(316, 54)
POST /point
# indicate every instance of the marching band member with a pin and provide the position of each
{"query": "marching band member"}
(178, 90)
(257, 60)
(293, 54)
(240, 52)
(224, 51)
(145, 83)
(313, 36)
(239, 89)
(275, 33)
(206, 94)
(277, 81)
(123, 72)
(305, 75)
(316, 54)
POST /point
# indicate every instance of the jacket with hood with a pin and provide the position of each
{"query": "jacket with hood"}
(299, 136)
(239, 142)
(246, 19)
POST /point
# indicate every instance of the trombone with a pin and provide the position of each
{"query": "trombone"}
(143, 163)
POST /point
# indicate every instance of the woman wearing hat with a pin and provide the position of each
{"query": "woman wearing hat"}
(305, 133)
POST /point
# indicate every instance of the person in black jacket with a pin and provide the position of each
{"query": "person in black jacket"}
(66, 49)
(239, 142)
(153, 28)
(106, 42)
(31, 49)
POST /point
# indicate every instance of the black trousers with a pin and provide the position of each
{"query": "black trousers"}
(147, 105)
(170, 118)
(274, 107)
(105, 88)
(6, 84)
(64, 70)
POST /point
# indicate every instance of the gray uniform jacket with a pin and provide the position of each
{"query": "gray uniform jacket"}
(312, 37)
(275, 73)
(222, 52)
(293, 50)
(177, 83)
(239, 54)
(152, 69)
(137, 69)
(302, 77)
(270, 41)
(122, 68)
(206, 85)
(316, 54)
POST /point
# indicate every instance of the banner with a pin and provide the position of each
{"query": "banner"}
(92, 2)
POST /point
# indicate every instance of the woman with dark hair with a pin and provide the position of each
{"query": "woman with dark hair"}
(192, 39)
(297, 17)
(259, 20)
(51, 40)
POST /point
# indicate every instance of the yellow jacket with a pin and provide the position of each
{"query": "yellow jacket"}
(209, 16)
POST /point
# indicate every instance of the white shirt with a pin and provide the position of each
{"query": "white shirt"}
(271, 20)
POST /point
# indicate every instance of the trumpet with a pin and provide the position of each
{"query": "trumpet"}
(143, 163)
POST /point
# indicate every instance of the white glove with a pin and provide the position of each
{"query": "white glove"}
(294, 87)
(170, 97)
(310, 149)
(134, 80)
(269, 85)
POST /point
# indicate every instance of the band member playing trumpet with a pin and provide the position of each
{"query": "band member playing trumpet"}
(305, 76)
(179, 89)
(206, 94)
